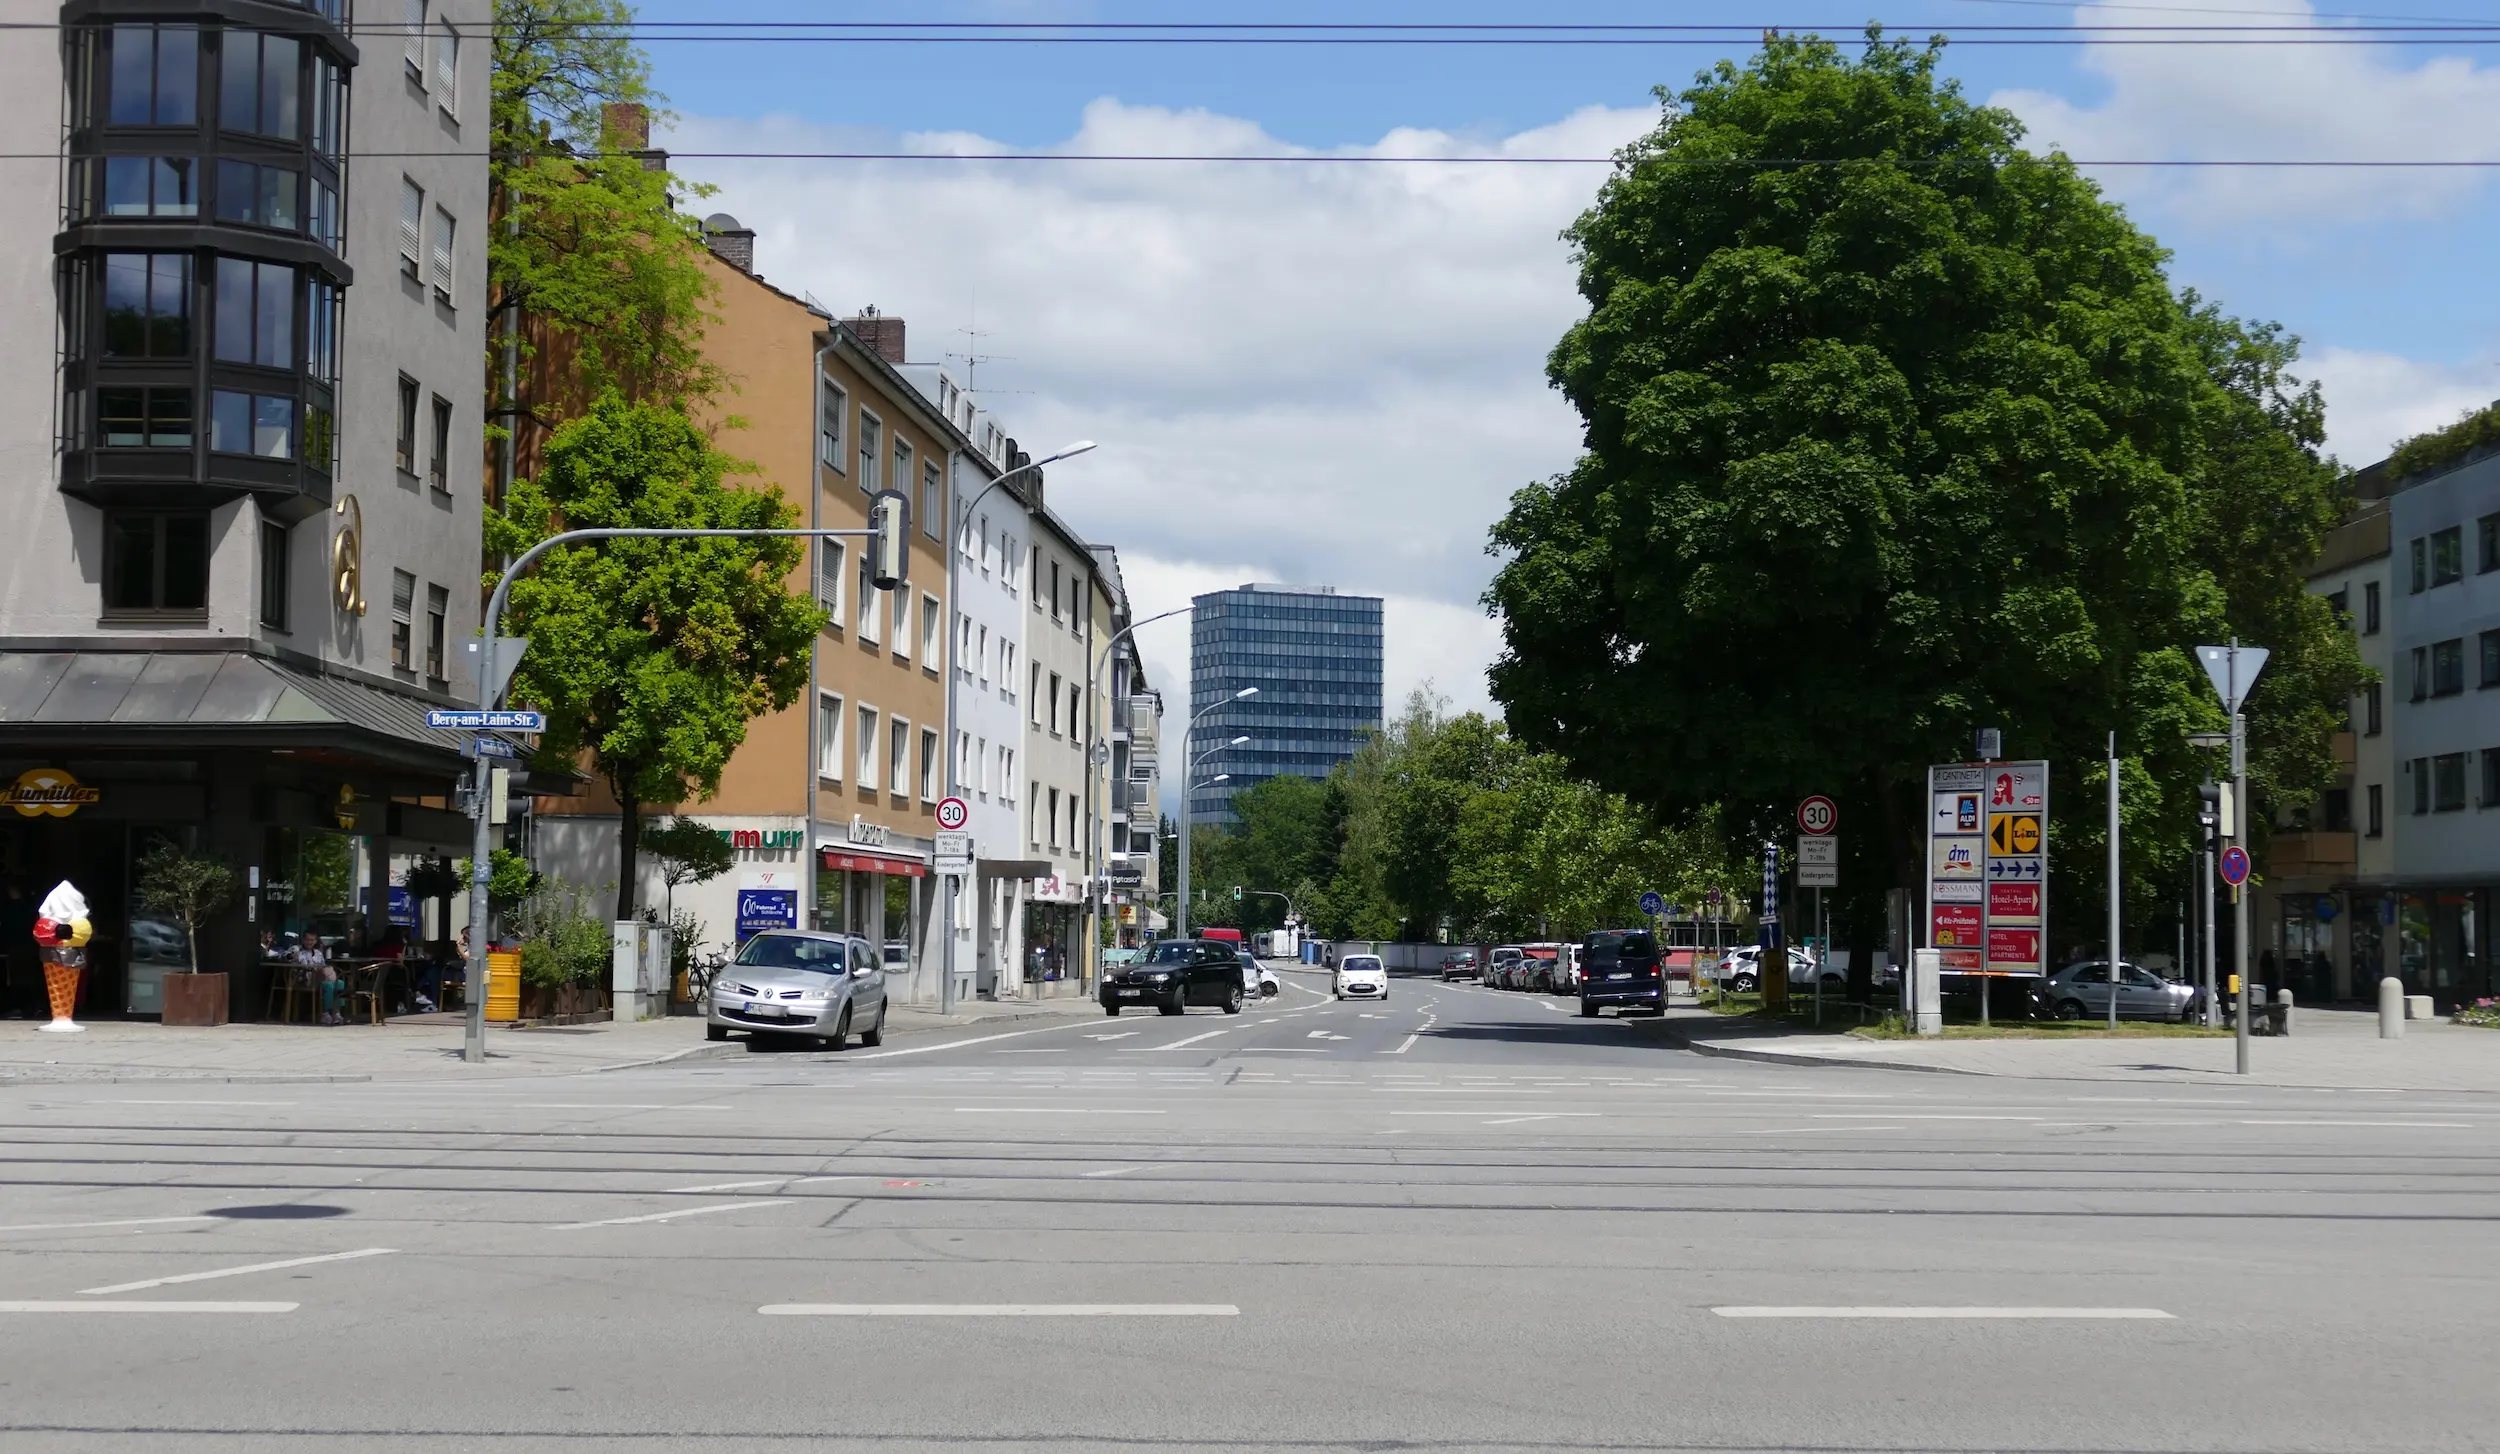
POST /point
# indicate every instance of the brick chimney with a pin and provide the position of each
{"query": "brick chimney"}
(879, 332)
(730, 240)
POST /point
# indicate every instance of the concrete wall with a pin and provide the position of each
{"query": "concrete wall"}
(54, 582)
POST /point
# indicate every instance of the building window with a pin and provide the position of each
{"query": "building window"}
(898, 756)
(260, 84)
(928, 765)
(155, 76)
(329, 108)
(411, 228)
(2491, 778)
(156, 562)
(146, 187)
(1054, 591)
(869, 597)
(260, 196)
(437, 616)
(1033, 815)
(871, 440)
(2369, 608)
(2373, 710)
(2421, 672)
(1035, 696)
(929, 620)
(2341, 602)
(255, 424)
(981, 755)
(868, 748)
(2419, 769)
(2448, 782)
(1054, 817)
(407, 425)
(159, 418)
(147, 305)
(2377, 822)
(2447, 667)
(403, 627)
(829, 427)
(1006, 668)
(963, 759)
(902, 465)
(414, 55)
(255, 313)
(1054, 704)
(2487, 544)
(981, 654)
(829, 737)
(438, 466)
(274, 540)
(321, 334)
(446, 231)
(932, 501)
(447, 67)
(2448, 556)
(2335, 808)
(2418, 558)
(829, 581)
(1007, 773)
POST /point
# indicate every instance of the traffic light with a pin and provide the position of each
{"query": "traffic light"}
(2209, 810)
(889, 545)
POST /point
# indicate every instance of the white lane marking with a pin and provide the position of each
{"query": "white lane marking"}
(732, 1185)
(1177, 1044)
(1909, 1116)
(845, 1176)
(1874, 1312)
(1806, 1131)
(1115, 1171)
(611, 1106)
(957, 1044)
(1495, 1110)
(82, 1226)
(1000, 1310)
(1113, 1035)
(2386, 1125)
(1542, 1116)
(1029, 1050)
(1325, 1035)
(2154, 1101)
(69, 1307)
(1282, 1050)
(667, 1216)
(199, 1103)
(1051, 1111)
(147, 1283)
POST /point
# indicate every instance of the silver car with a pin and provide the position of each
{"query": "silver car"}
(2081, 992)
(803, 984)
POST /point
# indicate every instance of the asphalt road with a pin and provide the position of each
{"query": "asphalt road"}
(1461, 1220)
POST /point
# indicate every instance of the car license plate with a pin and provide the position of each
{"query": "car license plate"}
(1132, 994)
(764, 1011)
(1625, 975)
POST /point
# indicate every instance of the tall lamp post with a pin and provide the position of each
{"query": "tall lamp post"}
(1180, 913)
(954, 670)
(1095, 822)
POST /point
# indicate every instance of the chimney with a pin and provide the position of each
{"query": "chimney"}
(879, 332)
(627, 124)
(731, 241)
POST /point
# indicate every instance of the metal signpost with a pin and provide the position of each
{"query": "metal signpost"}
(1774, 958)
(1988, 870)
(2234, 669)
(1818, 868)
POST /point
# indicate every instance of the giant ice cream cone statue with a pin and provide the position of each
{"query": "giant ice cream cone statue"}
(62, 932)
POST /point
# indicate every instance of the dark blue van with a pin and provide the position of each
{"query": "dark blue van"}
(1622, 968)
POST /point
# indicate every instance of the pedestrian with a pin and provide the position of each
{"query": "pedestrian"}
(313, 962)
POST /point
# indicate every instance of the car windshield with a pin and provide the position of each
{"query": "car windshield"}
(793, 951)
(1361, 962)
(1175, 951)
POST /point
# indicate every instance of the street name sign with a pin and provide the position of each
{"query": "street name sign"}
(501, 721)
(494, 747)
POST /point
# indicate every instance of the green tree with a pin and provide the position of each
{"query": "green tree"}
(1894, 430)
(689, 853)
(650, 657)
(185, 887)
(588, 250)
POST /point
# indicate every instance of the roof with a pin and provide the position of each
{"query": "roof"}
(192, 696)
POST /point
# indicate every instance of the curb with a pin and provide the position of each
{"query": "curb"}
(1773, 1057)
(184, 1077)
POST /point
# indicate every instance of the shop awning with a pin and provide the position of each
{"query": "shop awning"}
(835, 860)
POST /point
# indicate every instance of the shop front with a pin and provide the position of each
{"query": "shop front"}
(1054, 952)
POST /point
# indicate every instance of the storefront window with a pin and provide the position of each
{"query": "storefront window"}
(2413, 942)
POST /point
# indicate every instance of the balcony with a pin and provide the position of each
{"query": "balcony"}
(2312, 853)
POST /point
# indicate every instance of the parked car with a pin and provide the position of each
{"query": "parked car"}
(1538, 966)
(1622, 968)
(1565, 971)
(2080, 991)
(1175, 974)
(1361, 977)
(1740, 970)
(1500, 965)
(801, 983)
(1257, 981)
(1460, 964)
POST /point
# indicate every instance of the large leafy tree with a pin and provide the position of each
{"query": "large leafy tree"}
(1894, 430)
(650, 657)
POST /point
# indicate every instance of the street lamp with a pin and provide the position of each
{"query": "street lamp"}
(2209, 824)
(1181, 916)
(1096, 822)
(954, 669)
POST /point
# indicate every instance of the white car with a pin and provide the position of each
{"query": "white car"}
(1740, 970)
(1361, 977)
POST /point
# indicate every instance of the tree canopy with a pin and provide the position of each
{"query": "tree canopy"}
(1894, 430)
(651, 656)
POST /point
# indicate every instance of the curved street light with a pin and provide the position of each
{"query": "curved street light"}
(1180, 918)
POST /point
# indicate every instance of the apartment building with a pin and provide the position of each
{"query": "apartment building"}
(243, 560)
(1313, 655)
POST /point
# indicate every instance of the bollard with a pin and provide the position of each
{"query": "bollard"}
(2284, 998)
(2391, 1008)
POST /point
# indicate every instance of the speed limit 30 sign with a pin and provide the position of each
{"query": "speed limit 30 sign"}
(953, 813)
(1817, 816)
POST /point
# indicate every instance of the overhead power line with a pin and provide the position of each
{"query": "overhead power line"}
(1364, 159)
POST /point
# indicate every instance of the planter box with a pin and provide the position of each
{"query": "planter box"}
(565, 1003)
(195, 999)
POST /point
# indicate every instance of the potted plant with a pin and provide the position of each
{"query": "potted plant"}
(565, 953)
(187, 888)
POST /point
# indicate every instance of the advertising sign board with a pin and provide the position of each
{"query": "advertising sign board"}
(1987, 850)
(1959, 926)
(767, 899)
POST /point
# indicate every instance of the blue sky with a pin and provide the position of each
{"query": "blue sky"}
(1298, 374)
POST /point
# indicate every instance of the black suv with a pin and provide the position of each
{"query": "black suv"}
(1176, 974)
(1621, 967)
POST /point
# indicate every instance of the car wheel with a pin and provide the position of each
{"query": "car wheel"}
(1112, 1010)
(1746, 984)
(2070, 1009)
(874, 1035)
(1588, 1009)
(1178, 1004)
(716, 1032)
(841, 1039)
(1232, 1001)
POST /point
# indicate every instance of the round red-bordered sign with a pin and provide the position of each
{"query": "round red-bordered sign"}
(953, 813)
(1818, 816)
(2235, 865)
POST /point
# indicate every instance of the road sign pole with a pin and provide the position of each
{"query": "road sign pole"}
(2114, 888)
(2239, 892)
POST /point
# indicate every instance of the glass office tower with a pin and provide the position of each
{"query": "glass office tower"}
(1313, 654)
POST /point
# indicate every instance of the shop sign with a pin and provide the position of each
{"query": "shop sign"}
(767, 900)
(1959, 926)
(1055, 890)
(774, 841)
(866, 834)
(50, 792)
(834, 860)
(1987, 891)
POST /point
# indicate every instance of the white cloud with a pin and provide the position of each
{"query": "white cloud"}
(2178, 101)
(1322, 373)
(2376, 399)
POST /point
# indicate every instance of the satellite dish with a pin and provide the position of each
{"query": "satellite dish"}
(723, 222)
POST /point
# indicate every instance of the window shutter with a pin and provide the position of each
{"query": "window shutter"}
(444, 228)
(411, 223)
(416, 38)
(447, 63)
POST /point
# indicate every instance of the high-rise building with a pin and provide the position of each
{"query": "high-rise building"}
(1314, 656)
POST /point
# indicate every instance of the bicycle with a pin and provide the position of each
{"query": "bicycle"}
(701, 971)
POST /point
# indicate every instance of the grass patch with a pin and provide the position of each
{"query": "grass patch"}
(1893, 1029)
(2485, 1013)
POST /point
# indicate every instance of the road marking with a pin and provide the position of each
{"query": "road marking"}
(732, 1185)
(1282, 1050)
(199, 1103)
(1000, 1310)
(1029, 1050)
(1051, 1111)
(1325, 1035)
(611, 1106)
(1908, 1116)
(83, 1226)
(2386, 1125)
(1115, 1171)
(1113, 1035)
(1538, 1116)
(667, 1216)
(845, 1176)
(956, 1044)
(69, 1307)
(1177, 1044)
(142, 1286)
(1805, 1130)
(2091, 1313)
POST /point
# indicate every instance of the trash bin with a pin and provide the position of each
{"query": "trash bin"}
(503, 985)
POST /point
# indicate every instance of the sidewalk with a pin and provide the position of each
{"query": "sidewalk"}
(413, 1049)
(2328, 1050)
